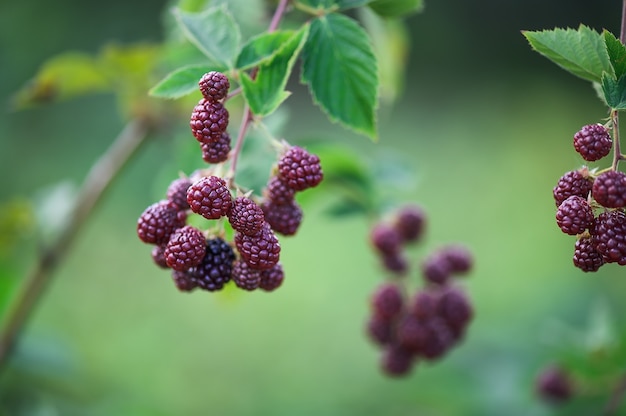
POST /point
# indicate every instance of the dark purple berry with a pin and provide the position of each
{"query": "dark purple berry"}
(593, 142)
(209, 121)
(574, 215)
(412, 333)
(575, 182)
(216, 267)
(609, 236)
(454, 307)
(183, 281)
(410, 223)
(158, 257)
(245, 277)
(278, 192)
(424, 304)
(385, 238)
(260, 252)
(284, 219)
(177, 192)
(214, 86)
(158, 222)
(609, 189)
(395, 263)
(246, 216)
(397, 361)
(210, 197)
(586, 257)
(436, 269)
(458, 257)
(272, 279)
(185, 249)
(379, 329)
(217, 151)
(554, 385)
(387, 301)
(439, 341)
(300, 169)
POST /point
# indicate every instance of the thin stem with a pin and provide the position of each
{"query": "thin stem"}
(616, 397)
(622, 33)
(98, 180)
(278, 15)
(617, 155)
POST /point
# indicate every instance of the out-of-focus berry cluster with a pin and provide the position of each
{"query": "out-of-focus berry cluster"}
(423, 324)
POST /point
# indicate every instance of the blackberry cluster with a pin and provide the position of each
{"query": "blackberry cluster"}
(426, 323)
(205, 259)
(590, 204)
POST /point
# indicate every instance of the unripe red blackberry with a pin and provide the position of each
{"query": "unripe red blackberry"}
(245, 277)
(424, 304)
(278, 192)
(210, 197)
(410, 223)
(246, 216)
(260, 252)
(387, 301)
(554, 385)
(216, 152)
(412, 333)
(214, 86)
(217, 265)
(183, 281)
(284, 219)
(575, 182)
(459, 258)
(609, 236)
(209, 121)
(436, 269)
(177, 192)
(185, 249)
(272, 279)
(385, 238)
(158, 222)
(300, 169)
(593, 142)
(397, 361)
(609, 189)
(379, 329)
(439, 341)
(455, 308)
(574, 215)
(158, 257)
(395, 263)
(586, 257)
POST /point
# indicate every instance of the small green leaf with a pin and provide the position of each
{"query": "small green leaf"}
(617, 53)
(340, 69)
(180, 82)
(328, 5)
(614, 91)
(350, 4)
(262, 48)
(396, 8)
(266, 91)
(214, 32)
(582, 52)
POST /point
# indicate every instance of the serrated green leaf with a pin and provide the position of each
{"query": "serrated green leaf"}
(262, 48)
(581, 52)
(341, 71)
(266, 91)
(214, 32)
(617, 53)
(614, 91)
(180, 82)
(396, 8)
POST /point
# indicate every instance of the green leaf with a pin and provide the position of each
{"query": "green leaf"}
(340, 69)
(214, 32)
(582, 52)
(327, 5)
(262, 48)
(180, 82)
(350, 4)
(614, 91)
(617, 53)
(266, 91)
(396, 8)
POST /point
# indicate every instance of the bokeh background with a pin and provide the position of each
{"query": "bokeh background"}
(483, 131)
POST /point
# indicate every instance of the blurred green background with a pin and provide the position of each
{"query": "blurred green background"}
(484, 128)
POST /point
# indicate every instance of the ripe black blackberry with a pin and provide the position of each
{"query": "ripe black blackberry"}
(158, 222)
(574, 215)
(385, 238)
(215, 269)
(177, 192)
(214, 86)
(397, 361)
(278, 192)
(586, 257)
(380, 329)
(217, 151)
(183, 280)
(185, 248)
(609, 189)
(593, 142)
(260, 252)
(410, 223)
(272, 279)
(554, 385)
(285, 219)
(609, 236)
(300, 169)
(245, 277)
(208, 121)
(210, 197)
(387, 301)
(575, 182)
(246, 216)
